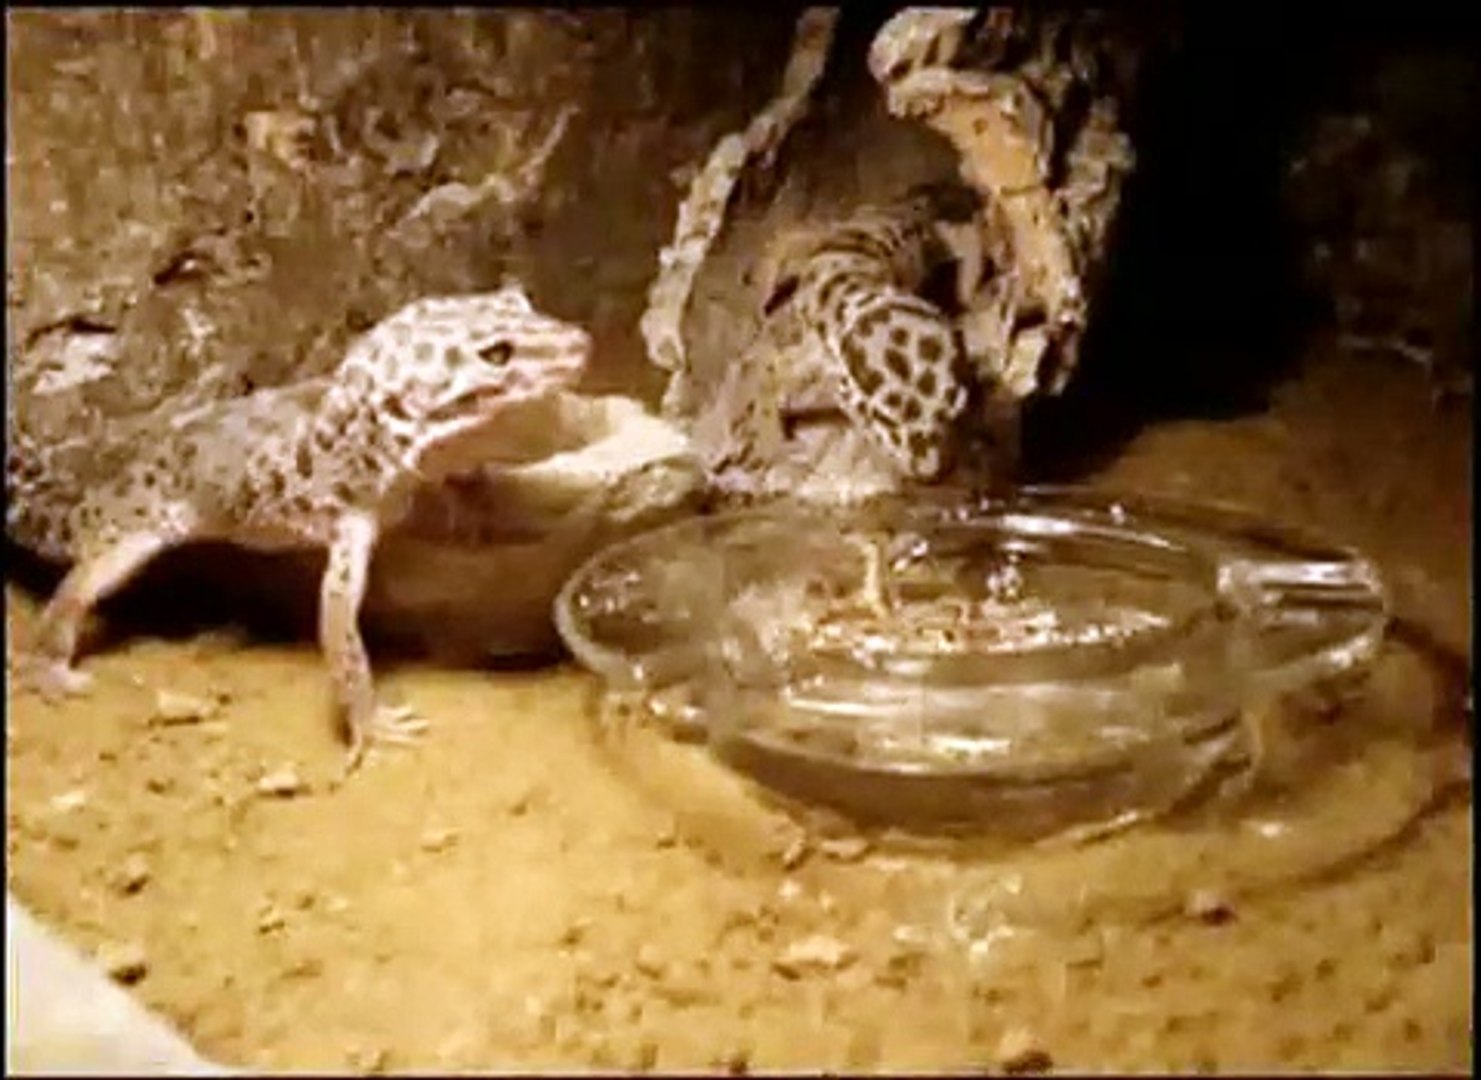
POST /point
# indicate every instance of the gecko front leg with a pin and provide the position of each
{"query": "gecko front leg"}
(340, 596)
(47, 666)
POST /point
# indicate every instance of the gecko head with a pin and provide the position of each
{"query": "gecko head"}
(461, 366)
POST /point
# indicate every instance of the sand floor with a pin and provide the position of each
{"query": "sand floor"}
(522, 892)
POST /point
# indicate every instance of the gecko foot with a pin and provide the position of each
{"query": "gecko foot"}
(396, 725)
(51, 679)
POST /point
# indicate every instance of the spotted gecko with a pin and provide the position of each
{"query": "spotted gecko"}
(331, 462)
(843, 313)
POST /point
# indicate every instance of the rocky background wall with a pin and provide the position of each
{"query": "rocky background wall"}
(246, 191)
(256, 187)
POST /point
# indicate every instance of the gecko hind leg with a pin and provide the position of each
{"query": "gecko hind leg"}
(47, 667)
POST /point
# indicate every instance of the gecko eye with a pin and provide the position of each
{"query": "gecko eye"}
(500, 352)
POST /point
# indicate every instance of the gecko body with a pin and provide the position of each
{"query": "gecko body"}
(327, 463)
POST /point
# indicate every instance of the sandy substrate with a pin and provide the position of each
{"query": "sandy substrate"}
(522, 892)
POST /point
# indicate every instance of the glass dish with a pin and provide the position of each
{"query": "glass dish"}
(1024, 662)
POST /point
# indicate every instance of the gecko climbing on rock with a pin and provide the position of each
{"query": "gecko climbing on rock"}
(901, 376)
(331, 462)
(844, 326)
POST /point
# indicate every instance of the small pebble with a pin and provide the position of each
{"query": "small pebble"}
(69, 801)
(845, 849)
(171, 708)
(62, 835)
(685, 990)
(573, 934)
(602, 980)
(439, 839)
(520, 805)
(795, 853)
(1208, 906)
(133, 875)
(649, 962)
(367, 1059)
(304, 967)
(282, 783)
(124, 961)
(1020, 1052)
(734, 1062)
(905, 959)
(911, 938)
(817, 953)
(270, 918)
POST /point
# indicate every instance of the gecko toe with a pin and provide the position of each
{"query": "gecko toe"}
(387, 725)
(52, 680)
(397, 724)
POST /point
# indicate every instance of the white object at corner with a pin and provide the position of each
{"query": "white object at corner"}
(65, 1017)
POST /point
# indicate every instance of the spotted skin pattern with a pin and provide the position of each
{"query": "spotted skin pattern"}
(328, 463)
(900, 374)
